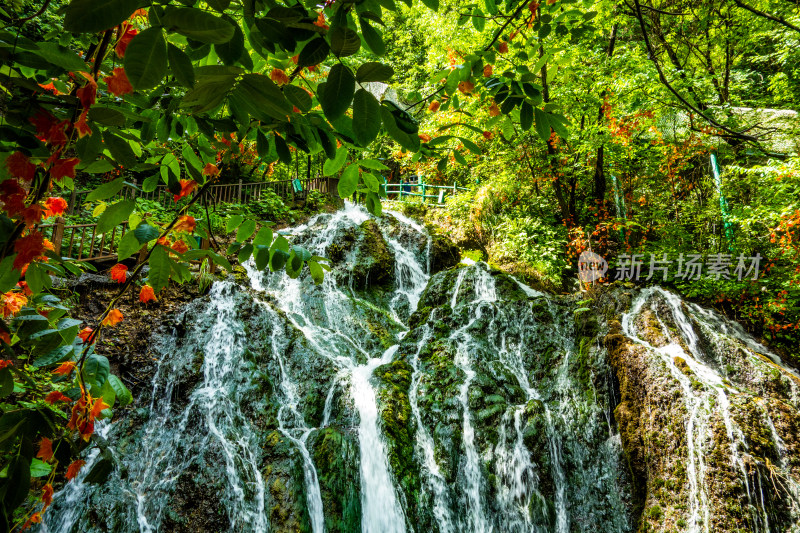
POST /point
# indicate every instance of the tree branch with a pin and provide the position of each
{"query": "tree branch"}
(767, 15)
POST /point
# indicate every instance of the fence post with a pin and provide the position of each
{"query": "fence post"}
(133, 190)
(58, 234)
(424, 199)
(72, 201)
(239, 194)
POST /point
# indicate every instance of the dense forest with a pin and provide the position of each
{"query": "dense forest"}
(385, 266)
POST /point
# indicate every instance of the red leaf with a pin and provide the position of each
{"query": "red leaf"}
(28, 248)
(119, 273)
(45, 449)
(185, 223)
(187, 186)
(54, 206)
(64, 168)
(74, 468)
(20, 166)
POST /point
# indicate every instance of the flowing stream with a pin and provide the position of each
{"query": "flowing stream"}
(462, 401)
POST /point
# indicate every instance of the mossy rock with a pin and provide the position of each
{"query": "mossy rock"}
(336, 456)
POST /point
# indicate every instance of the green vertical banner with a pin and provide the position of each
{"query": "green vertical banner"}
(620, 210)
(723, 203)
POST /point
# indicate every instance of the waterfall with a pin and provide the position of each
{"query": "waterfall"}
(455, 401)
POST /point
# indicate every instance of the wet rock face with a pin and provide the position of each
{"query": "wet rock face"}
(704, 414)
(361, 256)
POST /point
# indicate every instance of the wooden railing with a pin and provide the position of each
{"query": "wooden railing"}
(81, 242)
(412, 190)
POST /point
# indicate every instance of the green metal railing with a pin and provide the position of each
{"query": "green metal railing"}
(399, 191)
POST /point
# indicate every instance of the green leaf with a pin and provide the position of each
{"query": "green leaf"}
(158, 277)
(145, 233)
(191, 158)
(338, 92)
(198, 25)
(298, 97)
(18, 481)
(37, 278)
(372, 164)
(313, 53)
(6, 382)
(432, 4)
(278, 260)
(348, 183)
(146, 59)
(374, 71)
(114, 214)
(96, 369)
(344, 41)
(372, 38)
(526, 116)
(542, 124)
(100, 471)
(262, 98)
(106, 190)
(59, 355)
(124, 396)
(245, 230)
(372, 182)
(181, 66)
(264, 236)
(373, 204)
(120, 150)
(39, 468)
(232, 50)
(283, 150)
(92, 16)
(332, 166)
(245, 253)
(262, 257)
(233, 223)
(207, 94)
(59, 56)
(366, 117)
(128, 245)
(409, 141)
(471, 146)
(101, 166)
(316, 272)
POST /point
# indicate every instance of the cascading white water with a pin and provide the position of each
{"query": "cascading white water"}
(706, 394)
(508, 432)
(381, 512)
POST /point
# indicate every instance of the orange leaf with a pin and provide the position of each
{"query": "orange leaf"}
(74, 468)
(502, 48)
(147, 294)
(113, 318)
(434, 106)
(4, 363)
(55, 206)
(119, 273)
(84, 333)
(118, 82)
(47, 495)
(466, 87)
(45, 449)
(210, 170)
(185, 223)
(279, 76)
(124, 41)
(98, 406)
(65, 368)
(56, 396)
(187, 186)
(180, 247)
(487, 71)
